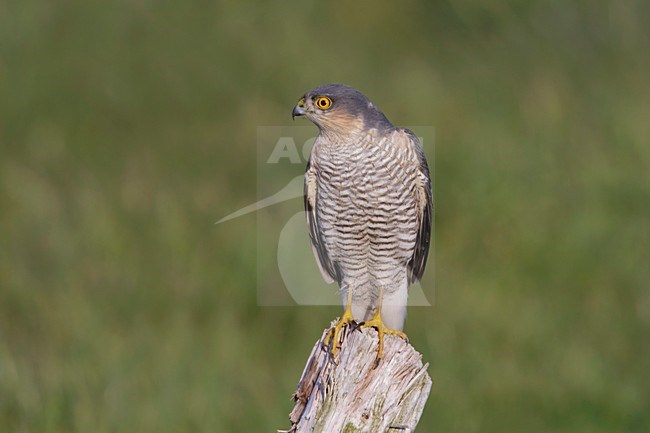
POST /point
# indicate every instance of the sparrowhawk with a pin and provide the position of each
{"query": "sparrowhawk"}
(368, 205)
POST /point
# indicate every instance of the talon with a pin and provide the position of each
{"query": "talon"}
(357, 326)
(332, 341)
(382, 330)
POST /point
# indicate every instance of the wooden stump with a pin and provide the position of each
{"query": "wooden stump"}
(350, 396)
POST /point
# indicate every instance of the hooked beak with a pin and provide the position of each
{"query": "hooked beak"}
(299, 109)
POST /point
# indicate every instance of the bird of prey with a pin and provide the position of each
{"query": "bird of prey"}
(368, 205)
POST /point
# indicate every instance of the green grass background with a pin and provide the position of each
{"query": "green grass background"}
(128, 127)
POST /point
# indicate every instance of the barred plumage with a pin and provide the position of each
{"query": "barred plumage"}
(368, 202)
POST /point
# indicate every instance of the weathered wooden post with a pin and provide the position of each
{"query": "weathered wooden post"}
(350, 396)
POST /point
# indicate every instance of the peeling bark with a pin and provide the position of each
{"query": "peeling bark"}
(350, 396)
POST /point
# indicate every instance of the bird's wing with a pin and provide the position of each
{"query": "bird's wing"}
(424, 201)
(327, 268)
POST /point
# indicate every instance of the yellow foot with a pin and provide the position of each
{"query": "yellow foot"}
(382, 330)
(332, 340)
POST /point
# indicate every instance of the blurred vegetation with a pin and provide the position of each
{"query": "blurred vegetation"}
(128, 127)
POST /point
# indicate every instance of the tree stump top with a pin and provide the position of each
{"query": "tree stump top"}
(349, 395)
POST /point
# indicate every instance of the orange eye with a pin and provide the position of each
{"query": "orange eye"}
(323, 102)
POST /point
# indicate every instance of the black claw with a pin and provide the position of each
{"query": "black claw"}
(328, 347)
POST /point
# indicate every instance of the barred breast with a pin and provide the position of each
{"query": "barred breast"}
(366, 210)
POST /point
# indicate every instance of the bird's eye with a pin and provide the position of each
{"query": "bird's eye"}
(323, 102)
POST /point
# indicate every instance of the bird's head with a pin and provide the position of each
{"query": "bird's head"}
(340, 109)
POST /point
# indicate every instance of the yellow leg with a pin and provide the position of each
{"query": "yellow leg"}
(333, 337)
(377, 323)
